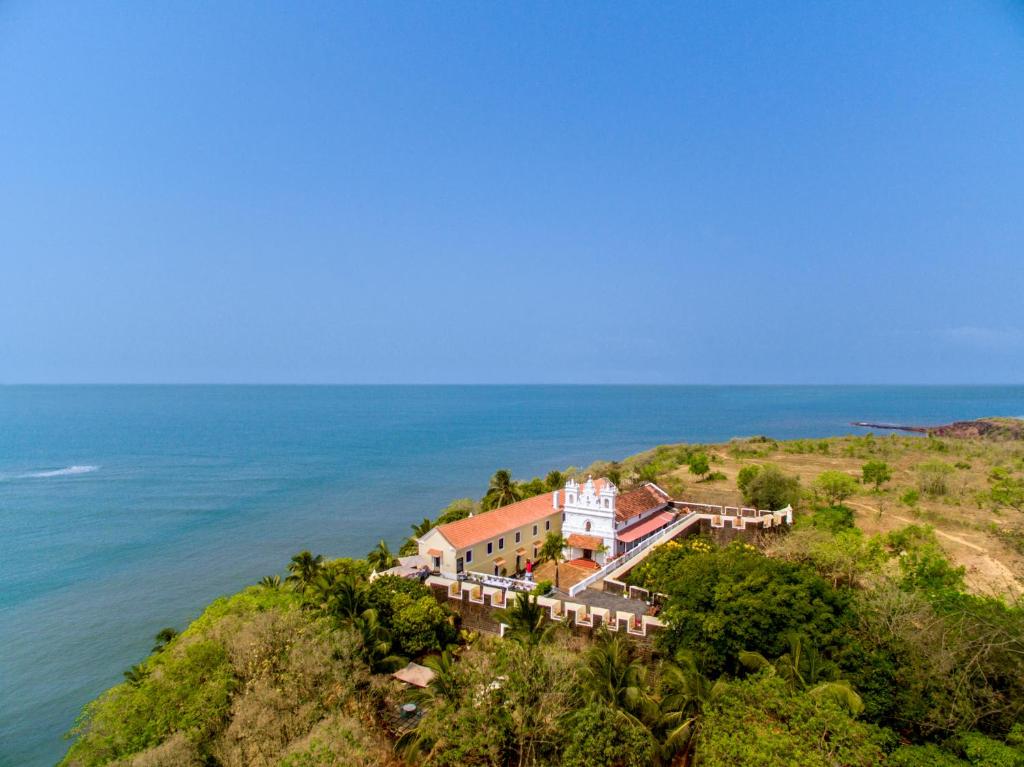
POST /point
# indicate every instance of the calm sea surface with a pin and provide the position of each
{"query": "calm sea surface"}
(126, 509)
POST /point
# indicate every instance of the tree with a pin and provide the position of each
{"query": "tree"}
(163, 638)
(933, 477)
(456, 510)
(411, 545)
(685, 692)
(552, 549)
(613, 675)
(598, 737)
(381, 558)
(876, 473)
(768, 488)
(377, 645)
(781, 725)
(836, 486)
(554, 480)
(699, 464)
(136, 675)
(303, 569)
(807, 670)
(501, 491)
(746, 476)
(1006, 490)
(270, 581)
(527, 621)
(724, 602)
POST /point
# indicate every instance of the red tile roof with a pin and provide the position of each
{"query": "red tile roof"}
(644, 498)
(649, 525)
(584, 541)
(483, 527)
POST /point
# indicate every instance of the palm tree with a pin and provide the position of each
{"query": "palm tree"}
(685, 693)
(446, 684)
(806, 669)
(351, 597)
(501, 491)
(163, 638)
(411, 544)
(614, 676)
(552, 549)
(376, 644)
(136, 675)
(271, 582)
(303, 569)
(526, 621)
(381, 557)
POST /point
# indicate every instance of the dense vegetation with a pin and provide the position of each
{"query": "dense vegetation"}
(822, 646)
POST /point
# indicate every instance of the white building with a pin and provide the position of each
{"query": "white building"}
(599, 523)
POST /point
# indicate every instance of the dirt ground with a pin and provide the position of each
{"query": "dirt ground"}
(963, 525)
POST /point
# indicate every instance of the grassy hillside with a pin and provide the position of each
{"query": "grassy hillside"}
(885, 628)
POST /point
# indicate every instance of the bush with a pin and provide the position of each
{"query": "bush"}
(542, 588)
(933, 478)
(731, 600)
(910, 498)
(768, 488)
(834, 519)
(762, 721)
(836, 486)
(599, 737)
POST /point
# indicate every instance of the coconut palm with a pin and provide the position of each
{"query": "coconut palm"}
(303, 569)
(381, 558)
(526, 621)
(806, 669)
(552, 549)
(377, 644)
(445, 685)
(271, 582)
(351, 597)
(501, 491)
(411, 545)
(163, 638)
(685, 692)
(613, 675)
(136, 675)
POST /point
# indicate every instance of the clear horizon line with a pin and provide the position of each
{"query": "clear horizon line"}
(482, 384)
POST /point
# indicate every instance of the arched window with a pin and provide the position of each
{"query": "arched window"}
(587, 526)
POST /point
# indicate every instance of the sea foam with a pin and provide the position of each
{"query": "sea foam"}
(66, 471)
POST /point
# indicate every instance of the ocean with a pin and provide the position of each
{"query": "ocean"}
(124, 509)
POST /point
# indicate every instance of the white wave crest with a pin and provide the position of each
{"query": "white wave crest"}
(66, 471)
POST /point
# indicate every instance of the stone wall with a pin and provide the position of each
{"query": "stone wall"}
(481, 611)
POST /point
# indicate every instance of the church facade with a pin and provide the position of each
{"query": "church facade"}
(600, 523)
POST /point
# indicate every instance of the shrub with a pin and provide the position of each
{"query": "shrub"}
(933, 478)
(599, 737)
(876, 473)
(836, 486)
(762, 721)
(910, 498)
(768, 488)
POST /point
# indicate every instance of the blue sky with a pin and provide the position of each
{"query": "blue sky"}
(478, 192)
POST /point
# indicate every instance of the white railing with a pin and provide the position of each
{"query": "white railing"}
(684, 521)
(708, 511)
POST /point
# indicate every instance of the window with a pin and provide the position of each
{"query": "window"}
(437, 563)
(501, 544)
(547, 525)
(495, 569)
(534, 552)
(534, 529)
(469, 555)
(490, 547)
(519, 536)
(606, 503)
(586, 526)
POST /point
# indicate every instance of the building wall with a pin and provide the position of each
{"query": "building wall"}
(583, 504)
(484, 562)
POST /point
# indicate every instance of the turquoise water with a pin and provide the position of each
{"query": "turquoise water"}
(126, 509)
